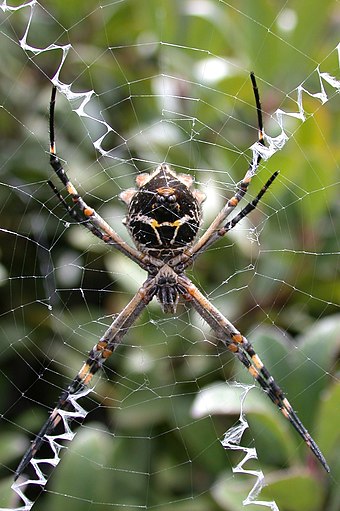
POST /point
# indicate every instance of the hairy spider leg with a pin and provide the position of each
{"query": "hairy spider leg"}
(235, 342)
(90, 219)
(97, 356)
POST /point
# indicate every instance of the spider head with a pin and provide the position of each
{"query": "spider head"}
(164, 213)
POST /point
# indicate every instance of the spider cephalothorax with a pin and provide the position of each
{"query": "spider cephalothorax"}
(164, 213)
(164, 216)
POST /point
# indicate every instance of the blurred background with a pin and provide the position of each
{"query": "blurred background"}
(170, 82)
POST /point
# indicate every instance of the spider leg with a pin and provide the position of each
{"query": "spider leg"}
(87, 215)
(189, 254)
(235, 342)
(246, 210)
(184, 262)
(97, 357)
(76, 215)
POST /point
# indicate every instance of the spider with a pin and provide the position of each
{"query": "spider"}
(163, 219)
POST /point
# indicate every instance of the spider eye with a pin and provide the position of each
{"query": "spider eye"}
(166, 194)
(167, 199)
(164, 216)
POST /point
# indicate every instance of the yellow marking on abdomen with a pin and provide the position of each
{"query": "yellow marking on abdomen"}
(154, 224)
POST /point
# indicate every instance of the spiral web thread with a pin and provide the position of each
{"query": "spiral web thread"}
(232, 437)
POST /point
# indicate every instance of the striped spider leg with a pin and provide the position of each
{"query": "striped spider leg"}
(96, 358)
(81, 212)
(237, 344)
(213, 232)
(163, 219)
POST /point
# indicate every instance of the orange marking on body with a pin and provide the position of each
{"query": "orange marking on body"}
(88, 379)
(233, 348)
(107, 353)
(253, 372)
(88, 211)
(237, 338)
(233, 201)
(144, 296)
(187, 297)
(101, 345)
(192, 291)
(164, 190)
(52, 149)
(83, 371)
(257, 361)
(71, 189)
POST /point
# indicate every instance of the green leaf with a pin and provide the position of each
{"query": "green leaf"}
(327, 424)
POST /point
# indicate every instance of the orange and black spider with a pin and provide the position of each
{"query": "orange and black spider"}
(163, 219)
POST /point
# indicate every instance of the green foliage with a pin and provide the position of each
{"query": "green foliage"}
(148, 441)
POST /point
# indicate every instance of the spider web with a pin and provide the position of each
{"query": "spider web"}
(142, 83)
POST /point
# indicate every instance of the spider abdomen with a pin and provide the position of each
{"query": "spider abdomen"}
(164, 214)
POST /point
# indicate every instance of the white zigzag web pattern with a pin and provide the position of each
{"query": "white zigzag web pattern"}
(232, 440)
(20, 486)
(232, 437)
(273, 144)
